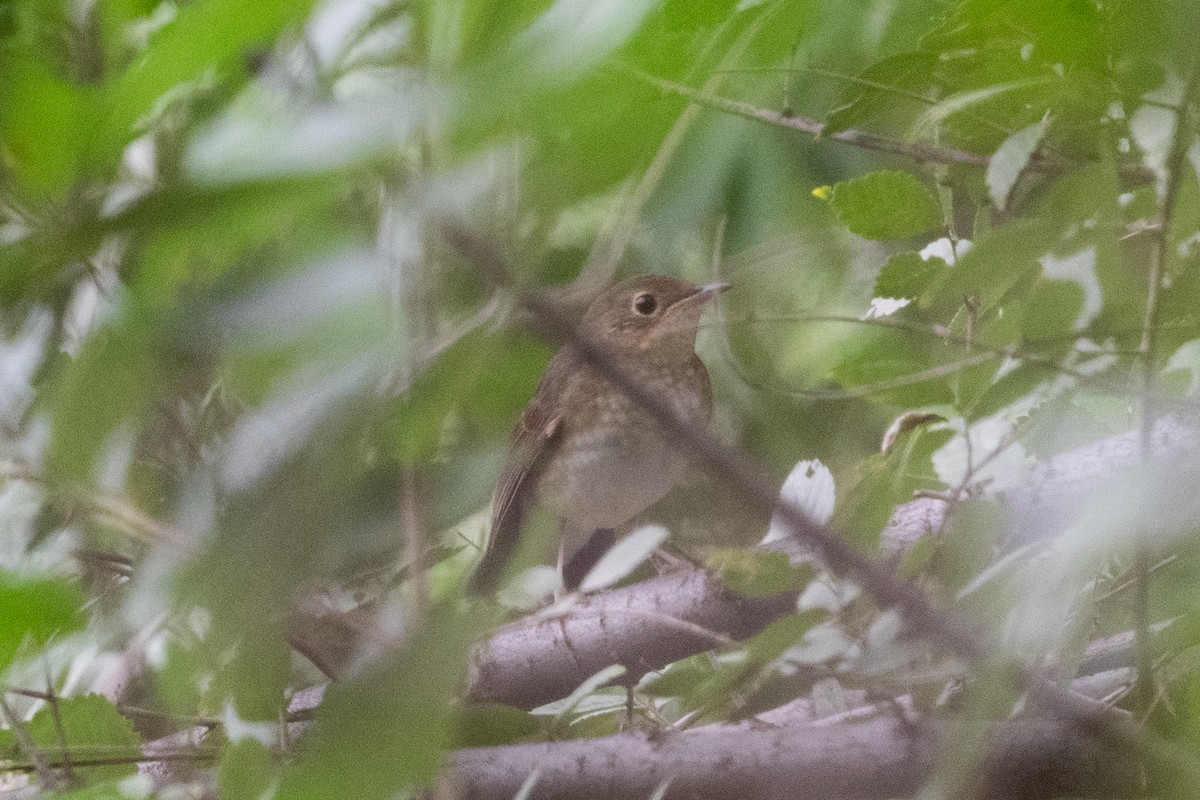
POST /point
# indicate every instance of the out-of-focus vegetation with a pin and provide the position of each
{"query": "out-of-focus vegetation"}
(243, 374)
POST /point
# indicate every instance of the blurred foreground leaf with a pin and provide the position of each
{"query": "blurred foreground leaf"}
(35, 611)
(387, 730)
(91, 729)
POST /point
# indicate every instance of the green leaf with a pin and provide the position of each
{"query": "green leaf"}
(889, 90)
(770, 643)
(43, 125)
(1009, 161)
(881, 482)
(740, 676)
(899, 378)
(114, 378)
(1015, 384)
(963, 101)
(246, 771)
(92, 728)
(886, 205)
(36, 611)
(487, 724)
(908, 275)
(386, 730)
(680, 678)
(1052, 309)
(758, 574)
(194, 235)
(999, 260)
(211, 34)
(484, 376)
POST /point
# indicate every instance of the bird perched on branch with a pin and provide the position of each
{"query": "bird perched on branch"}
(586, 451)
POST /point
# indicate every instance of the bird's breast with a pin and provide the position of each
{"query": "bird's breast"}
(615, 460)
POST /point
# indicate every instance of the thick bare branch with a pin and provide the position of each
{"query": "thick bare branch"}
(534, 661)
(876, 758)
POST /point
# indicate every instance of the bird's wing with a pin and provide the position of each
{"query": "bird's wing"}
(534, 442)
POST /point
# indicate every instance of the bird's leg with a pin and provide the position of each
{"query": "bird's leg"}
(562, 581)
(665, 561)
(586, 557)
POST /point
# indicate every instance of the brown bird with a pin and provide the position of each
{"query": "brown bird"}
(587, 451)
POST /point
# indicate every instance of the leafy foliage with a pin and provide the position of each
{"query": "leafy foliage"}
(247, 384)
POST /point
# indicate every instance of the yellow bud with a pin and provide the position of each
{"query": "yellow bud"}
(822, 192)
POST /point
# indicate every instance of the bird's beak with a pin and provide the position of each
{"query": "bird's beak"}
(712, 289)
(698, 298)
(701, 295)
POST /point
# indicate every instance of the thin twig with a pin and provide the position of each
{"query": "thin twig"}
(916, 151)
(37, 759)
(174, 719)
(54, 759)
(59, 730)
(858, 80)
(1021, 351)
(412, 509)
(1174, 165)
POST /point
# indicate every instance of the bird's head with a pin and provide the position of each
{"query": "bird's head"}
(653, 314)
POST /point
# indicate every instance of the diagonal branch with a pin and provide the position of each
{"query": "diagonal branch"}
(1175, 165)
(916, 151)
(758, 489)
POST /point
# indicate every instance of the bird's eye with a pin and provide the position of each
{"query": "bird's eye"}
(645, 304)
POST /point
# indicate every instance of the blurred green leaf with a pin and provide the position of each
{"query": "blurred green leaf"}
(680, 678)
(483, 380)
(36, 611)
(246, 770)
(44, 125)
(889, 91)
(908, 275)
(91, 728)
(896, 366)
(740, 677)
(488, 724)
(1018, 382)
(966, 101)
(757, 574)
(882, 481)
(220, 35)
(194, 235)
(386, 731)
(1004, 258)
(885, 205)
(113, 380)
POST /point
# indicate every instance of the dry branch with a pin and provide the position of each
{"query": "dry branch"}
(878, 758)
